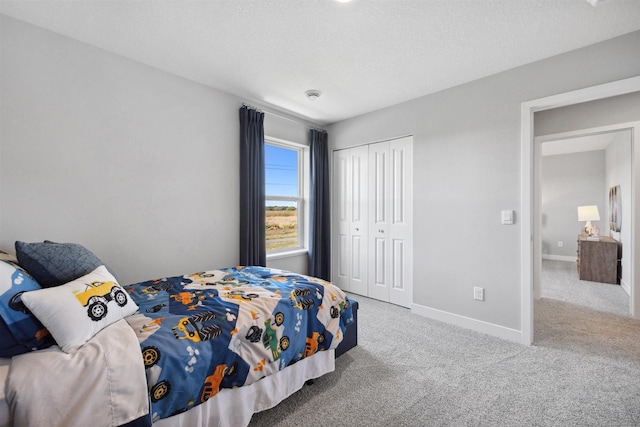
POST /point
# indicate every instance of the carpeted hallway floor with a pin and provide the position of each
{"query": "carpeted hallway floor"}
(560, 282)
(584, 370)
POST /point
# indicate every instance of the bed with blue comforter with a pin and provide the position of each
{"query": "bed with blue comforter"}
(203, 332)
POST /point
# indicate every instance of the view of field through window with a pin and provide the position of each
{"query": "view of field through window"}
(281, 176)
(282, 227)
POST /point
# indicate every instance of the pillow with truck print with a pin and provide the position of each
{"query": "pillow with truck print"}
(76, 311)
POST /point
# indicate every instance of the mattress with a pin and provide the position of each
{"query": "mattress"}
(4, 407)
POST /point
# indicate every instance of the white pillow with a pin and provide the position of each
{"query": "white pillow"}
(76, 311)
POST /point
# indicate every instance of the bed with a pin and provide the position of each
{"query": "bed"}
(204, 349)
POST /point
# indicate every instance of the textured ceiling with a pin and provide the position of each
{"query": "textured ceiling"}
(363, 55)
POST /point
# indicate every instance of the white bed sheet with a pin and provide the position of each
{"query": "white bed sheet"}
(4, 406)
(234, 407)
(102, 384)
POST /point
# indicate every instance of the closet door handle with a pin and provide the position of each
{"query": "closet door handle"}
(357, 229)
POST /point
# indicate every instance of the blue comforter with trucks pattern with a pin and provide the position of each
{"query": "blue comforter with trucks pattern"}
(227, 328)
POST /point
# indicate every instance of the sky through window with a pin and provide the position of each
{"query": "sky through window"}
(281, 173)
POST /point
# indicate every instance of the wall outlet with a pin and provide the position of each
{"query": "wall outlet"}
(560, 244)
(478, 293)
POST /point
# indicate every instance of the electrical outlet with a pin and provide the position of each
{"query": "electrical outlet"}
(478, 293)
(560, 244)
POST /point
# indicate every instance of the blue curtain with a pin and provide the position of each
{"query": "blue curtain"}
(252, 215)
(319, 233)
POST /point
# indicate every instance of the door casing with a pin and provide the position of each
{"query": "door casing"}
(530, 231)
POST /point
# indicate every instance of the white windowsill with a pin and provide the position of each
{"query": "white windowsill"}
(287, 254)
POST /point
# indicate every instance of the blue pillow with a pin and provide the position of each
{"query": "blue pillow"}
(54, 264)
(20, 331)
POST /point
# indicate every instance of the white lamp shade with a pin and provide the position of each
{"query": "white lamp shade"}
(588, 213)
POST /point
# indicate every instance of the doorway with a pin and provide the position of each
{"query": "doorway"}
(579, 168)
(531, 243)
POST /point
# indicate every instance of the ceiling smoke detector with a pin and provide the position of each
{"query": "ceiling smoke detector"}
(312, 94)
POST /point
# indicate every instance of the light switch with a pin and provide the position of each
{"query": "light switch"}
(507, 217)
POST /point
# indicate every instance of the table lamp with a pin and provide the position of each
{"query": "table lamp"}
(588, 214)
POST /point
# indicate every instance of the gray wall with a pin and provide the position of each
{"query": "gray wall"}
(569, 181)
(137, 164)
(467, 169)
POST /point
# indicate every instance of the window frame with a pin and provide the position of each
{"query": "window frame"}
(302, 198)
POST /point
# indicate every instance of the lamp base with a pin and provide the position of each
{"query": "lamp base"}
(588, 227)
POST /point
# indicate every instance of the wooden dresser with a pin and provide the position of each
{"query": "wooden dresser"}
(598, 260)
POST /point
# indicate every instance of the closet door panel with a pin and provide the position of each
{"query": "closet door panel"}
(401, 225)
(341, 219)
(359, 202)
(379, 220)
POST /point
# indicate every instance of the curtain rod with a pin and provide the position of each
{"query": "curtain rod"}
(262, 110)
(253, 107)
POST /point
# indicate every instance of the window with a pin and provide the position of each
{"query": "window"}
(285, 191)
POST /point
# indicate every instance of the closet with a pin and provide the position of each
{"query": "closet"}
(373, 220)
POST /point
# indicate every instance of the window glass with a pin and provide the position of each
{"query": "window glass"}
(283, 196)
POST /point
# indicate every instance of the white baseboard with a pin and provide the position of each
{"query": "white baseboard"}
(625, 287)
(468, 323)
(559, 257)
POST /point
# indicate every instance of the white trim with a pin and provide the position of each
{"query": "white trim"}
(607, 90)
(360, 144)
(586, 132)
(528, 108)
(559, 258)
(526, 276)
(625, 286)
(467, 323)
(284, 143)
(287, 254)
(283, 198)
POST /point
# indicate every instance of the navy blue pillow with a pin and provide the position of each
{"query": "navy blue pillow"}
(9, 347)
(54, 264)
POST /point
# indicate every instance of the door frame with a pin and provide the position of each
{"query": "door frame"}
(530, 232)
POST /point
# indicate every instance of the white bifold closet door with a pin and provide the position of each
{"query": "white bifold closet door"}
(350, 214)
(390, 221)
(373, 213)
